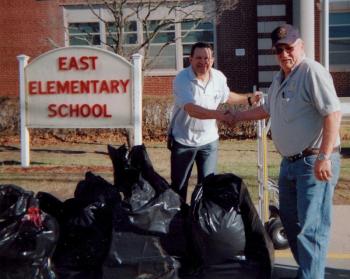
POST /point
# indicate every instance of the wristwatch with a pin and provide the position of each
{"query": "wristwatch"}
(322, 156)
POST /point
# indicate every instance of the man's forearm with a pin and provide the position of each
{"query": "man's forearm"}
(253, 114)
(245, 99)
(203, 113)
(236, 98)
(331, 125)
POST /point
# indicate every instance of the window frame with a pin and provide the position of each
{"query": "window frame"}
(333, 66)
(81, 14)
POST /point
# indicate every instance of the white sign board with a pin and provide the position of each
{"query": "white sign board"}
(79, 87)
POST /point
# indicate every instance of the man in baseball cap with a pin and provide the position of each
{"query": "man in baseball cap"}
(305, 118)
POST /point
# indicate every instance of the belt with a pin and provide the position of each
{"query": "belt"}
(308, 152)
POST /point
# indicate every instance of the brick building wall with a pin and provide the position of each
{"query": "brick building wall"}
(341, 79)
(161, 85)
(241, 71)
(342, 83)
(27, 26)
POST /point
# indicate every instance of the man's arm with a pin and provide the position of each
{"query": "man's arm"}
(253, 114)
(244, 99)
(203, 113)
(331, 125)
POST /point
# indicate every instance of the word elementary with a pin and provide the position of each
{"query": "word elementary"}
(82, 63)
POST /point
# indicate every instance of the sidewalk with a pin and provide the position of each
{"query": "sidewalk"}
(338, 260)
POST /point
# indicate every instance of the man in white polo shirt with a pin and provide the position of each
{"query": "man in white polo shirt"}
(198, 91)
(305, 119)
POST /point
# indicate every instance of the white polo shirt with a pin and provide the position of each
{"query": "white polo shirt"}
(188, 89)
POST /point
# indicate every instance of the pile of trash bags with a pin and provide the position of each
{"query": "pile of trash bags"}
(137, 227)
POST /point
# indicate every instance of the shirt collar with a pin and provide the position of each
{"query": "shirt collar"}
(193, 77)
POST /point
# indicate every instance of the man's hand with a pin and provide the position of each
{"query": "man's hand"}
(323, 170)
(256, 97)
(229, 118)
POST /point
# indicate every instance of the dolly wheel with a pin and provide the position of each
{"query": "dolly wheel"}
(277, 234)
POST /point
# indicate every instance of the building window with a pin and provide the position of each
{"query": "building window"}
(162, 49)
(339, 38)
(168, 50)
(87, 33)
(129, 40)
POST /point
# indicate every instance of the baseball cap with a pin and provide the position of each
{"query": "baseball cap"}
(284, 34)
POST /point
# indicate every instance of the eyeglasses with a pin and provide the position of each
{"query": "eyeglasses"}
(287, 48)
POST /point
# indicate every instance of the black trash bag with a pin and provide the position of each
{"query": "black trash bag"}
(149, 225)
(227, 231)
(96, 189)
(218, 231)
(28, 236)
(50, 204)
(84, 240)
(151, 203)
(137, 254)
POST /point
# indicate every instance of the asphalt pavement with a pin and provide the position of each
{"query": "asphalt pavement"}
(338, 259)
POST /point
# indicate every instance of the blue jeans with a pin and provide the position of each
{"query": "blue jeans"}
(306, 212)
(182, 160)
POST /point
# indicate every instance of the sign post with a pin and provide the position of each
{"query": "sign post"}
(23, 61)
(137, 83)
(79, 87)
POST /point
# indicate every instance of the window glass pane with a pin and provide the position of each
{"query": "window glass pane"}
(186, 49)
(163, 38)
(130, 39)
(196, 36)
(78, 41)
(129, 36)
(339, 45)
(86, 33)
(130, 26)
(339, 18)
(339, 58)
(339, 38)
(84, 40)
(188, 25)
(166, 60)
(153, 24)
(339, 31)
(110, 40)
(111, 27)
(197, 25)
(90, 27)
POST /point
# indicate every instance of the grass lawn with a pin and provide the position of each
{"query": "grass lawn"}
(58, 168)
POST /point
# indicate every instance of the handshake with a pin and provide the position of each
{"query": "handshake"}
(231, 118)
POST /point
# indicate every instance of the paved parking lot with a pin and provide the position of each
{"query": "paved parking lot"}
(338, 261)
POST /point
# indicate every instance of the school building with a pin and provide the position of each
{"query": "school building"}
(241, 39)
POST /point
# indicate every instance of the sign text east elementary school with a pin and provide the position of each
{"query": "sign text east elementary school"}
(97, 87)
(79, 87)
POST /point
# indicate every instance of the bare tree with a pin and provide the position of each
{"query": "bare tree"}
(156, 17)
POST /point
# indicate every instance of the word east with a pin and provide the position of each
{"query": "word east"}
(73, 63)
(78, 110)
